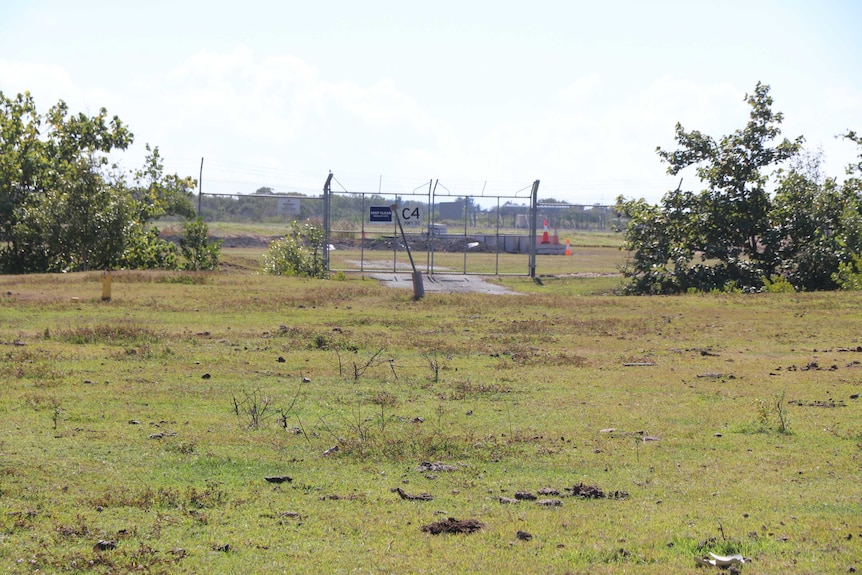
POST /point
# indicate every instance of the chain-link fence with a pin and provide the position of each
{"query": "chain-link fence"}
(446, 232)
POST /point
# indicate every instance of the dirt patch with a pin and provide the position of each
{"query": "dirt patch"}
(828, 403)
(452, 525)
(406, 496)
(593, 492)
(428, 466)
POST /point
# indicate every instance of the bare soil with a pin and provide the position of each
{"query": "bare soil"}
(452, 525)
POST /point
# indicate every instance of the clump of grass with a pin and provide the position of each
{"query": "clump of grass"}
(467, 389)
(188, 278)
(401, 441)
(36, 366)
(321, 341)
(181, 447)
(116, 333)
(211, 496)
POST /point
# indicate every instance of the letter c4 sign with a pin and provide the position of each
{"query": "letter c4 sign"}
(411, 216)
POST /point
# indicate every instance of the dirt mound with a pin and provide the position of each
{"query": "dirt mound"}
(452, 525)
(593, 492)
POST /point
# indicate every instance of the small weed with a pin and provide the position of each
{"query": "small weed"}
(433, 360)
(360, 368)
(772, 415)
(55, 412)
(253, 408)
(782, 415)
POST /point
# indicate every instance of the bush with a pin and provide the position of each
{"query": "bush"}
(779, 284)
(147, 251)
(298, 253)
(200, 253)
(849, 274)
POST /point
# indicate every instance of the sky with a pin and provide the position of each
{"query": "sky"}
(484, 97)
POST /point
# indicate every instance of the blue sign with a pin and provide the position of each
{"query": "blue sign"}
(380, 214)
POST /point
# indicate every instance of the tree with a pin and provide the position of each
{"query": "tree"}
(804, 239)
(723, 224)
(64, 214)
(157, 194)
(21, 159)
(64, 208)
(849, 272)
(657, 237)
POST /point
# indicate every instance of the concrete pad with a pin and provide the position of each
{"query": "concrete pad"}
(443, 283)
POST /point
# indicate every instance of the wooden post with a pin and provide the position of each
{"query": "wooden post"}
(106, 285)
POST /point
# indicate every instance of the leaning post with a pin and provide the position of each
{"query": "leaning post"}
(418, 286)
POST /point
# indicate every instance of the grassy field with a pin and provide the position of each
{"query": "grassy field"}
(586, 433)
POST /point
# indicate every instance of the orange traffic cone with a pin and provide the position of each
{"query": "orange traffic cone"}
(545, 238)
(568, 247)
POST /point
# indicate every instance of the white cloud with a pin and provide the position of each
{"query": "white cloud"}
(47, 84)
(276, 120)
(581, 89)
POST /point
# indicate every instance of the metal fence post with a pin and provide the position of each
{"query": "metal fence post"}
(201, 189)
(326, 223)
(534, 202)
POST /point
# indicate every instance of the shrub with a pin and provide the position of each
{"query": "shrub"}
(849, 274)
(298, 253)
(779, 284)
(200, 253)
(147, 251)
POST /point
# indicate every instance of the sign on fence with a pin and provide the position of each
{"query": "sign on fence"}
(380, 214)
(288, 206)
(411, 217)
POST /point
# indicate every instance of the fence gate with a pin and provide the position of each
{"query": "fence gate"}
(448, 233)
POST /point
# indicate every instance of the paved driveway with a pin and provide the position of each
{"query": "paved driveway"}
(443, 283)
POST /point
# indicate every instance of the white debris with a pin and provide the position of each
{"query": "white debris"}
(723, 560)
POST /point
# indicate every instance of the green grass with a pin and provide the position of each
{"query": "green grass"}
(554, 387)
(593, 253)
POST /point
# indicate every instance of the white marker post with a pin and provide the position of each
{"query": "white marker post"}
(418, 286)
